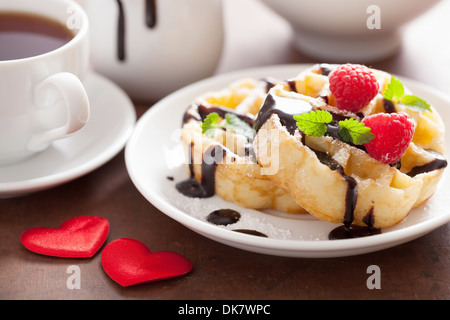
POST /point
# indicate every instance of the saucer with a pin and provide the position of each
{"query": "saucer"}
(111, 123)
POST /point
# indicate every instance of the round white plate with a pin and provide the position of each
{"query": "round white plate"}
(111, 123)
(153, 154)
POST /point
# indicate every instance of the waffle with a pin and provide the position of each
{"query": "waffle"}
(224, 163)
(336, 181)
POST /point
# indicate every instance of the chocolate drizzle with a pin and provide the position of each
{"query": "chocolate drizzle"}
(121, 32)
(333, 131)
(325, 69)
(352, 192)
(389, 106)
(222, 111)
(344, 232)
(438, 163)
(150, 22)
(354, 231)
(223, 217)
(206, 188)
(200, 112)
(150, 13)
(251, 232)
(285, 108)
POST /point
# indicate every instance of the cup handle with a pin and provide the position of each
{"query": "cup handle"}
(75, 105)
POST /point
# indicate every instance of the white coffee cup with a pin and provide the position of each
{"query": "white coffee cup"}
(153, 47)
(42, 97)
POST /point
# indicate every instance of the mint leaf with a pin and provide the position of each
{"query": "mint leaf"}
(355, 132)
(239, 126)
(395, 90)
(210, 124)
(415, 102)
(313, 123)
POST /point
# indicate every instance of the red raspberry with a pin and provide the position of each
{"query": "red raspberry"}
(353, 86)
(393, 134)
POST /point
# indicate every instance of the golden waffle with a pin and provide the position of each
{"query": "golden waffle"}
(224, 163)
(334, 180)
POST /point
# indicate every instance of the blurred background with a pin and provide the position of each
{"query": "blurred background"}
(424, 53)
(404, 37)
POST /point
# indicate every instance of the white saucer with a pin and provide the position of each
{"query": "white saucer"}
(110, 125)
(153, 154)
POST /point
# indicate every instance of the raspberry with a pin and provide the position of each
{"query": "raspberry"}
(353, 86)
(393, 134)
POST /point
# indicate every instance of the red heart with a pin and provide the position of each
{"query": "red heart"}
(78, 237)
(130, 262)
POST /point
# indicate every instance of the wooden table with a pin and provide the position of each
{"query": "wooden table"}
(419, 269)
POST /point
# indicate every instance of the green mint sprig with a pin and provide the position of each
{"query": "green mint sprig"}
(314, 124)
(354, 131)
(211, 123)
(395, 92)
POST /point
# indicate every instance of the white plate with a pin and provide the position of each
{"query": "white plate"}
(111, 123)
(153, 153)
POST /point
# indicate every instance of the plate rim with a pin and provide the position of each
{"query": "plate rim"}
(290, 247)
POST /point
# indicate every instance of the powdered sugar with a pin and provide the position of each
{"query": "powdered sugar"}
(200, 208)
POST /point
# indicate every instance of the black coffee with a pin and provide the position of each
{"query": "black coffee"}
(26, 35)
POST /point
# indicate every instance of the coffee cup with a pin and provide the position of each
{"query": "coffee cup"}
(44, 56)
(153, 47)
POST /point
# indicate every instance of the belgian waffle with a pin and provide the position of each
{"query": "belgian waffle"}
(336, 181)
(223, 163)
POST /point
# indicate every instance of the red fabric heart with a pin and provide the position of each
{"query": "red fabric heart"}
(78, 237)
(129, 262)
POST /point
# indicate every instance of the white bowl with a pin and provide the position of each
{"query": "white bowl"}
(348, 30)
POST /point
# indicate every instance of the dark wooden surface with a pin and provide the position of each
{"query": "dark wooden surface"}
(419, 269)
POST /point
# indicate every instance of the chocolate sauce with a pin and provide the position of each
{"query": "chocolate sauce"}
(352, 193)
(206, 188)
(353, 231)
(270, 83)
(438, 163)
(251, 232)
(191, 114)
(150, 21)
(285, 108)
(203, 111)
(348, 230)
(325, 69)
(200, 112)
(292, 85)
(333, 129)
(369, 219)
(121, 32)
(191, 187)
(223, 217)
(150, 13)
(389, 106)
